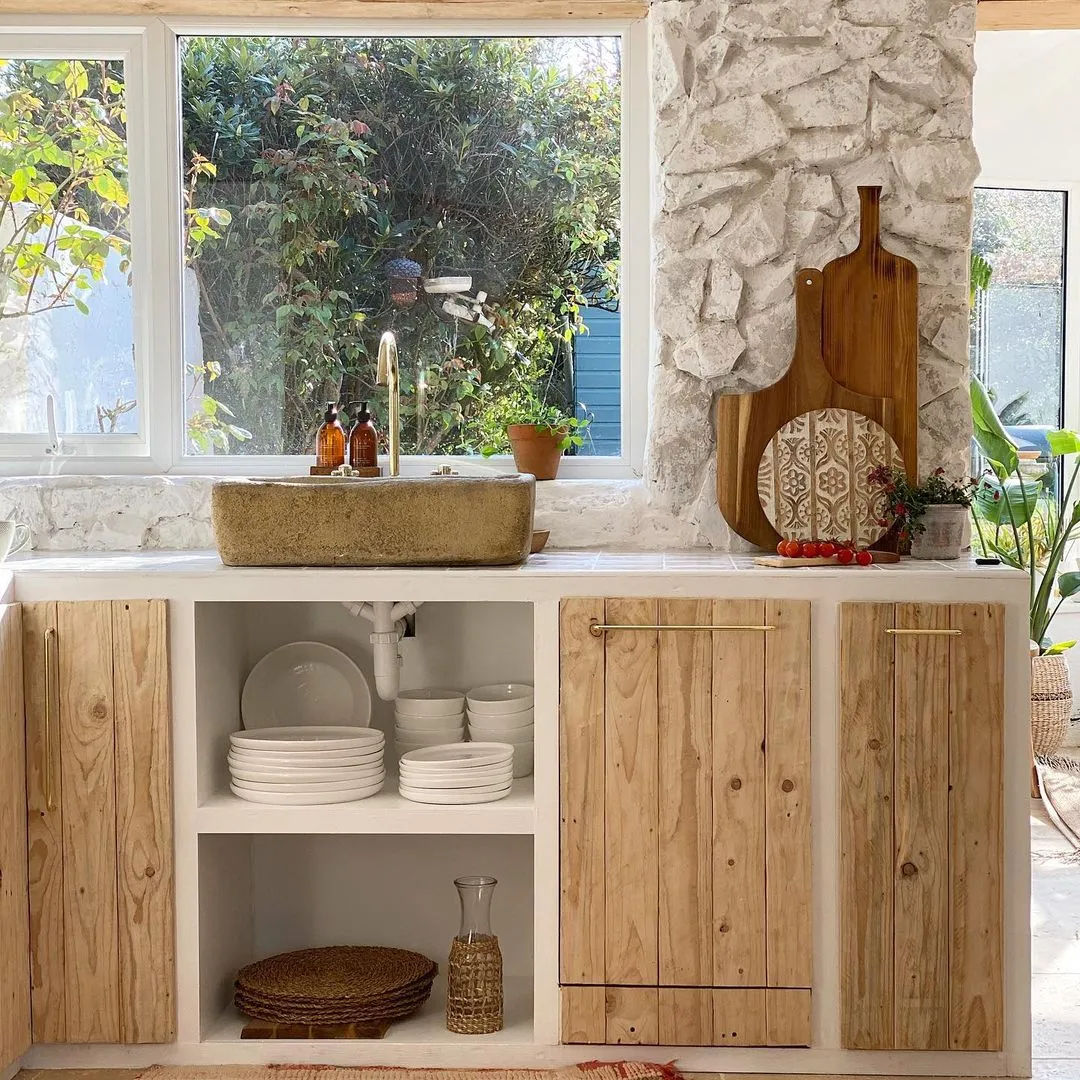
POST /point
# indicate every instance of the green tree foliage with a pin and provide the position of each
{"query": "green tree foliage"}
(313, 162)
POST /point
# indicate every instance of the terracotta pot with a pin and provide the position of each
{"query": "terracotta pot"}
(943, 535)
(536, 450)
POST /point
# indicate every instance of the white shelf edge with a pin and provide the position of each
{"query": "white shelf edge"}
(386, 812)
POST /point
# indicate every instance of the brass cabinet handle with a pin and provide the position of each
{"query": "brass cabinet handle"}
(931, 633)
(51, 694)
(597, 629)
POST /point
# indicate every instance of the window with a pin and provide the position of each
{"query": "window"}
(206, 230)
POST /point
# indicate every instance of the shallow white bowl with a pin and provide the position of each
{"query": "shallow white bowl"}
(429, 701)
(460, 756)
(428, 723)
(429, 738)
(457, 778)
(515, 736)
(500, 698)
(502, 721)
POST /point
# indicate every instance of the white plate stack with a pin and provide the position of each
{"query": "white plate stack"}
(457, 774)
(306, 766)
(428, 717)
(503, 712)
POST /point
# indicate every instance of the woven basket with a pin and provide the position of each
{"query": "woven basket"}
(1051, 703)
(474, 988)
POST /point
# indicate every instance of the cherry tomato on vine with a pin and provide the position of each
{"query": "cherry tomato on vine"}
(844, 556)
(864, 558)
(826, 549)
(810, 549)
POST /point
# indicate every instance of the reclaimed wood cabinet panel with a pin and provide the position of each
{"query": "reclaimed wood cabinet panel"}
(688, 867)
(14, 895)
(922, 720)
(99, 821)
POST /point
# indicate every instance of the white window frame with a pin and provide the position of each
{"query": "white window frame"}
(149, 49)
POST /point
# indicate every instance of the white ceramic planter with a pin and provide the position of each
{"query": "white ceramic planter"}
(943, 537)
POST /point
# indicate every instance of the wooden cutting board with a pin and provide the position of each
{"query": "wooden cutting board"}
(870, 326)
(745, 423)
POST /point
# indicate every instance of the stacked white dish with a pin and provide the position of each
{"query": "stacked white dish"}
(306, 766)
(503, 713)
(428, 717)
(457, 774)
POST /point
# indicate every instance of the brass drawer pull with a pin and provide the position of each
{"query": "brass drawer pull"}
(920, 633)
(51, 694)
(597, 629)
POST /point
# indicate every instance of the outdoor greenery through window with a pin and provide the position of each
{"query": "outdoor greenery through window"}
(65, 293)
(461, 192)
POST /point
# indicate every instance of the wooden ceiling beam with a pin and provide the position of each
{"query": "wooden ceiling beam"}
(1028, 15)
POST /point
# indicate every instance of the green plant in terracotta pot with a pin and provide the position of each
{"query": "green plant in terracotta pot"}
(538, 434)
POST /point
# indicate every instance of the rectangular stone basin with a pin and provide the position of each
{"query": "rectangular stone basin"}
(393, 521)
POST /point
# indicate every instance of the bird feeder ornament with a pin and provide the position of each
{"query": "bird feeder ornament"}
(403, 275)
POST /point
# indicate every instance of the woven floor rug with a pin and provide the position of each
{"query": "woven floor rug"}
(590, 1070)
(1059, 782)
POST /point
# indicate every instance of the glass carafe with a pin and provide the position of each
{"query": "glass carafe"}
(474, 992)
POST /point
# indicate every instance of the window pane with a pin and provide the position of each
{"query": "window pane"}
(1018, 332)
(461, 192)
(65, 291)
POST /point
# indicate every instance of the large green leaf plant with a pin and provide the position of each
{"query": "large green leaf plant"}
(1018, 518)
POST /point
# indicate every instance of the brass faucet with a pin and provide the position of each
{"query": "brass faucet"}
(388, 376)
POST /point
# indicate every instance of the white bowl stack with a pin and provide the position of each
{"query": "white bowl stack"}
(457, 774)
(503, 713)
(306, 766)
(428, 717)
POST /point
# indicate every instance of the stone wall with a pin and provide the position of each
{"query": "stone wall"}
(768, 115)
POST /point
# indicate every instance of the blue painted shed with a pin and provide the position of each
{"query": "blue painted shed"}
(598, 381)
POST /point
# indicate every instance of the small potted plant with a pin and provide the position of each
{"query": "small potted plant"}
(538, 434)
(933, 514)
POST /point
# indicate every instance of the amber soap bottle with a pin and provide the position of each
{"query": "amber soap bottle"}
(364, 441)
(330, 440)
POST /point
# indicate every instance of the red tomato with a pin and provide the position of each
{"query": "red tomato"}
(781, 547)
(864, 558)
(791, 549)
(844, 556)
(809, 549)
(826, 549)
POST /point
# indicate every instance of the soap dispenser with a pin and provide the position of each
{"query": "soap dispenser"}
(330, 440)
(364, 441)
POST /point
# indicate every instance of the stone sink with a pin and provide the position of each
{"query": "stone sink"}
(393, 521)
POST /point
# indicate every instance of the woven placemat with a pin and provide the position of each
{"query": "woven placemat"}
(406, 993)
(333, 1013)
(336, 973)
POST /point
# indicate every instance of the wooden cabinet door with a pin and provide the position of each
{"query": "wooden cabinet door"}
(685, 818)
(14, 926)
(99, 821)
(921, 728)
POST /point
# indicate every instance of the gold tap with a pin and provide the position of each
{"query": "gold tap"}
(388, 376)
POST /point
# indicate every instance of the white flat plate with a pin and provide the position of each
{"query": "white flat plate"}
(319, 798)
(474, 773)
(351, 774)
(461, 755)
(331, 759)
(308, 738)
(358, 787)
(305, 683)
(464, 779)
(453, 797)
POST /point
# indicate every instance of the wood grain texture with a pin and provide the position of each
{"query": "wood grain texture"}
(869, 325)
(88, 786)
(789, 953)
(921, 830)
(630, 797)
(631, 1015)
(144, 832)
(14, 891)
(686, 1016)
(738, 1017)
(44, 834)
(1028, 15)
(787, 1017)
(976, 723)
(738, 763)
(582, 856)
(685, 796)
(866, 826)
(341, 9)
(583, 1014)
(746, 422)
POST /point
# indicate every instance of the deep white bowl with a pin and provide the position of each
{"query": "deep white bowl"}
(500, 698)
(515, 736)
(428, 723)
(523, 760)
(429, 701)
(502, 721)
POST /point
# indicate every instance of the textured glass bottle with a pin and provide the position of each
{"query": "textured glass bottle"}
(474, 990)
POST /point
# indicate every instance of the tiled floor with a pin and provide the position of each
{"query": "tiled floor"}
(1055, 963)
